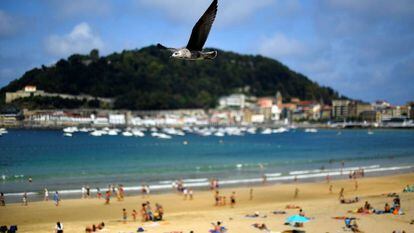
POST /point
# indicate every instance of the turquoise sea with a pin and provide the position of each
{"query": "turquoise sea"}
(66, 163)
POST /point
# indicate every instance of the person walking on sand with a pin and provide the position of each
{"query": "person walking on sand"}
(296, 193)
(356, 185)
(185, 193)
(59, 227)
(107, 197)
(330, 189)
(124, 215)
(46, 195)
(134, 215)
(341, 194)
(233, 199)
(190, 193)
(56, 198)
(251, 194)
(2, 200)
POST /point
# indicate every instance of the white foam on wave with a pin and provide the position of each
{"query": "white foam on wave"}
(346, 169)
(203, 182)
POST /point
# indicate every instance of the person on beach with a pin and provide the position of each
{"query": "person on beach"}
(190, 193)
(46, 195)
(88, 192)
(121, 192)
(107, 197)
(59, 227)
(143, 191)
(2, 200)
(341, 194)
(356, 185)
(83, 191)
(134, 215)
(56, 198)
(264, 179)
(251, 194)
(217, 198)
(330, 189)
(185, 193)
(233, 199)
(328, 178)
(296, 193)
(98, 193)
(144, 216)
(24, 199)
(124, 215)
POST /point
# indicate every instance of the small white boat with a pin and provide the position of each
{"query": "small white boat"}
(96, 133)
(164, 136)
(112, 132)
(311, 130)
(280, 130)
(138, 133)
(127, 134)
(219, 134)
(267, 131)
(370, 132)
(67, 135)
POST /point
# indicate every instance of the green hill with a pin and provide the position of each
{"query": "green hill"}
(149, 79)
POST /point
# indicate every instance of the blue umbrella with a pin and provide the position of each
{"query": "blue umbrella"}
(297, 219)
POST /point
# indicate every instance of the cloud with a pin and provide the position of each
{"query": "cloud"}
(80, 40)
(281, 46)
(9, 25)
(230, 11)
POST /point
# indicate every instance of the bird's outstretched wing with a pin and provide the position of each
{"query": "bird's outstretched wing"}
(202, 28)
(160, 46)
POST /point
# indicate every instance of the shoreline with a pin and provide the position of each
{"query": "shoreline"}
(181, 215)
(203, 184)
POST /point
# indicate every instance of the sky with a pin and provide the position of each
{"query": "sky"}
(363, 49)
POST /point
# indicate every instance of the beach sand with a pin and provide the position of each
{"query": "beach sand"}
(197, 214)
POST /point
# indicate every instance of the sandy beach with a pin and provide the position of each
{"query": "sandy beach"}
(198, 214)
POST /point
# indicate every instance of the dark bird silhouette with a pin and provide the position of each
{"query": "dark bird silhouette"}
(199, 35)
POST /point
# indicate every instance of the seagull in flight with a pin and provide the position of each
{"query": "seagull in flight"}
(194, 48)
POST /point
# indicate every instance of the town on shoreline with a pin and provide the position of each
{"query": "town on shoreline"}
(232, 110)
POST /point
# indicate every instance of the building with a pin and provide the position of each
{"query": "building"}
(340, 109)
(237, 101)
(370, 116)
(116, 119)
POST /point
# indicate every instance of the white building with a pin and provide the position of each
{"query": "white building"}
(117, 119)
(233, 101)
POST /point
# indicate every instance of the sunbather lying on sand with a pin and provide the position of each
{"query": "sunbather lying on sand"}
(279, 212)
(348, 201)
(260, 226)
(255, 215)
(292, 207)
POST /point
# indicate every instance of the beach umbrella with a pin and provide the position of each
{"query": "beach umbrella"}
(297, 219)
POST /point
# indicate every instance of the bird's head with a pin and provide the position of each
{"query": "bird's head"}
(176, 54)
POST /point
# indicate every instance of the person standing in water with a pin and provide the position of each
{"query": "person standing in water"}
(24, 199)
(2, 200)
(46, 195)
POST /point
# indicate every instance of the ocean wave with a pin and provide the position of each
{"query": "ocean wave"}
(203, 182)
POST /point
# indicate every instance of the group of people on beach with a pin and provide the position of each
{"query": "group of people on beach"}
(220, 200)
